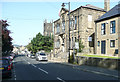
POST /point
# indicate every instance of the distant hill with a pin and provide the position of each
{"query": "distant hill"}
(16, 45)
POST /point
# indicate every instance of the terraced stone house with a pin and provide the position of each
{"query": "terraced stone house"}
(108, 33)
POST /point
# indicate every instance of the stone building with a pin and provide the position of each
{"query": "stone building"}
(107, 32)
(48, 28)
(119, 37)
(82, 27)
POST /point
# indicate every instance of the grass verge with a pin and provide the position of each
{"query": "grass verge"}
(99, 56)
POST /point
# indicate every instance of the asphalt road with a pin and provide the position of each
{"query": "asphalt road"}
(29, 69)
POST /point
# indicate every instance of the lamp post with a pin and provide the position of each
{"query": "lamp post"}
(63, 4)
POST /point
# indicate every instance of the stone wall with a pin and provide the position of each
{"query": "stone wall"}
(99, 62)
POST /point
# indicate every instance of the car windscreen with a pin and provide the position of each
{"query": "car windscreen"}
(42, 54)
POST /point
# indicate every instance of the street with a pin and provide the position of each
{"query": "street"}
(26, 68)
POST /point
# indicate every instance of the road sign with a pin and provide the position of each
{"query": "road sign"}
(76, 45)
(89, 39)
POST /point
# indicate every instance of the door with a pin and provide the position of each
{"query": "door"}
(103, 47)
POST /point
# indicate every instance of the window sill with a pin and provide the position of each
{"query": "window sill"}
(112, 46)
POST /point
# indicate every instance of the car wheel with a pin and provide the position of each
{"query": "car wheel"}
(10, 76)
(36, 59)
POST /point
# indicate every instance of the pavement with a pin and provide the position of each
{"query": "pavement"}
(93, 69)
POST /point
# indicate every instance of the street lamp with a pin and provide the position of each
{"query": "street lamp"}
(63, 4)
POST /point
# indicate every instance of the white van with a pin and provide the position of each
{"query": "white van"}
(41, 56)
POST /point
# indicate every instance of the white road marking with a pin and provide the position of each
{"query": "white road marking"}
(14, 70)
(60, 79)
(33, 65)
(28, 62)
(43, 70)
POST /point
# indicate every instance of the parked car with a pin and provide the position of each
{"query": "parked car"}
(5, 68)
(16, 53)
(29, 55)
(41, 56)
(9, 59)
(32, 56)
(12, 56)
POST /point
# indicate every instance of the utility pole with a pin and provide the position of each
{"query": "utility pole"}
(63, 4)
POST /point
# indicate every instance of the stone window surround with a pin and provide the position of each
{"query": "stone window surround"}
(98, 43)
(113, 44)
(57, 44)
(103, 29)
(58, 28)
(63, 25)
(75, 22)
(112, 27)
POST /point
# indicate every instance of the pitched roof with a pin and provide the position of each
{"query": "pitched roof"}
(93, 7)
(56, 20)
(90, 7)
(115, 11)
(64, 9)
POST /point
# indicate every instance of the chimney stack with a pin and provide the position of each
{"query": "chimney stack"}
(107, 5)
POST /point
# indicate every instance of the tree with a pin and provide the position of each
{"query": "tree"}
(81, 46)
(7, 46)
(40, 42)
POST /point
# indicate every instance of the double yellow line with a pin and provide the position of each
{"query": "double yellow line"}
(1, 68)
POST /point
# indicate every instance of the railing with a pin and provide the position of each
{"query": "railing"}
(57, 32)
(58, 54)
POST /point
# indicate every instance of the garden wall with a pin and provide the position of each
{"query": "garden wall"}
(99, 62)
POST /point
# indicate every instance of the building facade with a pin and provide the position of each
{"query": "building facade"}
(82, 27)
(119, 37)
(108, 33)
(48, 28)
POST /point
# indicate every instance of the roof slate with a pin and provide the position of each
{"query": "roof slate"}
(115, 11)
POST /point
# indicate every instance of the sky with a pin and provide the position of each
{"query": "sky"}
(26, 17)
